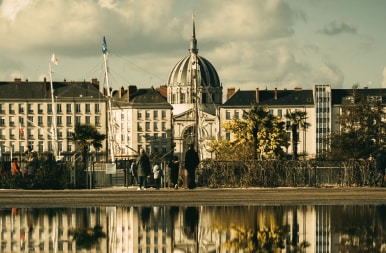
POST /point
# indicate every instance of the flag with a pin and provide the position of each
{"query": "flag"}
(104, 45)
(21, 130)
(54, 59)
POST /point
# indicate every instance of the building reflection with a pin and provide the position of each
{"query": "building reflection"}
(194, 229)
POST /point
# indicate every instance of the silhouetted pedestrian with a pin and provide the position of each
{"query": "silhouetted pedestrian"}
(191, 162)
(143, 164)
(380, 164)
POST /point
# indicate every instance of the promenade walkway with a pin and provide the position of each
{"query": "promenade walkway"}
(122, 196)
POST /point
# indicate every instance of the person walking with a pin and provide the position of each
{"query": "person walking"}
(15, 170)
(174, 166)
(157, 176)
(191, 162)
(143, 164)
(380, 165)
(32, 165)
(133, 173)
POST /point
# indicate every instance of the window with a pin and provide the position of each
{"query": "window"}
(12, 121)
(69, 120)
(227, 114)
(163, 114)
(68, 108)
(77, 119)
(279, 113)
(59, 120)
(30, 108)
(69, 147)
(49, 120)
(139, 115)
(88, 110)
(155, 126)
(77, 108)
(237, 116)
(49, 108)
(1, 109)
(30, 120)
(2, 121)
(147, 115)
(40, 120)
(163, 126)
(182, 98)
(88, 120)
(147, 126)
(11, 109)
(40, 108)
(139, 127)
(21, 108)
(59, 108)
(155, 114)
(97, 121)
(97, 109)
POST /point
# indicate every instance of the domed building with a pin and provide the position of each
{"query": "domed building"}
(194, 90)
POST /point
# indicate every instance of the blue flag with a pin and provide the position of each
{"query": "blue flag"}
(104, 46)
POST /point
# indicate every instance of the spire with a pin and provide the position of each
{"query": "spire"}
(193, 42)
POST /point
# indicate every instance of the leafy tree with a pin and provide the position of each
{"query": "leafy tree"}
(297, 120)
(85, 136)
(258, 134)
(362, 130)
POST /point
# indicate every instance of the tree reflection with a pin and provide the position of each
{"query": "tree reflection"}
(361, 230)
(86, 238)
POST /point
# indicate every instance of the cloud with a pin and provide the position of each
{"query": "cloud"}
(9, 9)
(335, 28)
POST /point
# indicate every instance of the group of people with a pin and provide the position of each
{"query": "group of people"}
(140, 170)
(31, 164)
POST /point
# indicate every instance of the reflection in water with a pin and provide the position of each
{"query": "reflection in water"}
(195, 229)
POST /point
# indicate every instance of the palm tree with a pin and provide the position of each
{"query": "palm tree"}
(256, 119)
(297, 120)
(85, 136)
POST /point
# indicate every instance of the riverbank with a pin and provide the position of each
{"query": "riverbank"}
(122, 196)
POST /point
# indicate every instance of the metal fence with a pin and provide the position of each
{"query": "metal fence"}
(268, 173)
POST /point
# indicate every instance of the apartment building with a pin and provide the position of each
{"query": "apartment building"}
(142, 119)
(28, 111)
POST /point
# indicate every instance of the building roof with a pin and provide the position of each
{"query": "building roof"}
(141, 98)
(339, 94)
(42, 90)
(268, 97)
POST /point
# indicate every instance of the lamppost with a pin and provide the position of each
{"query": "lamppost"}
(89, 163)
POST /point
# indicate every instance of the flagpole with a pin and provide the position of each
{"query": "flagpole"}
(110, 114)
(54, 137)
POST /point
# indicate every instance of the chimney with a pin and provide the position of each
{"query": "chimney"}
(230, 92)
(257, 95)
(17, 80)
(130, 91)
(121, 91)
(275, 96)
(95, 83)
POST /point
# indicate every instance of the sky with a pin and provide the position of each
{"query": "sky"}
(252, 43)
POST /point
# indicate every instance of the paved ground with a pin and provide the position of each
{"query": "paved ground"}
(122, 196)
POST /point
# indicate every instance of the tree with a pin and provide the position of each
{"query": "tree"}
(85, 136)
(297, 120)
(362, 130)
(259, 133)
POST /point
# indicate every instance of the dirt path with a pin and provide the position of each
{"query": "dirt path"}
(196, 197)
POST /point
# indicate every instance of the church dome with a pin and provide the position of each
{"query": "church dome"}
(182, 73)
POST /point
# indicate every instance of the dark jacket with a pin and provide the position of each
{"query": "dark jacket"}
(143, 164)
(380, 160)
(191, 159)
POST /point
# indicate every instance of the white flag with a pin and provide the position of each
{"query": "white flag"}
(54, 59)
